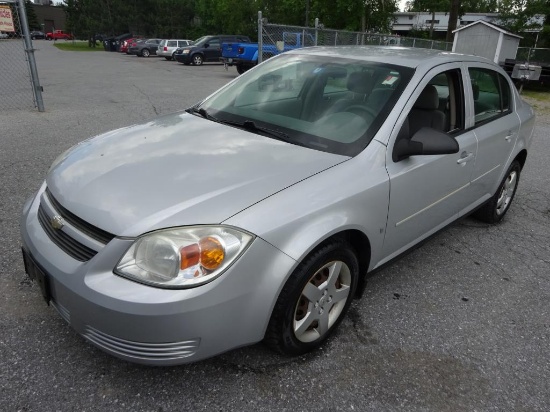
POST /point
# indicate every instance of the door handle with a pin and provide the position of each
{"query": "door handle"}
(509, 136)
(465, 157)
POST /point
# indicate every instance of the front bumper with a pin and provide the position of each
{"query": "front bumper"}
(183, 58)
(155, 326)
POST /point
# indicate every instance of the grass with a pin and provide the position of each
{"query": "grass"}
(81, 46)
(540, 96)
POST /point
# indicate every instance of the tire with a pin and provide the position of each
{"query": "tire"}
(197, 60)
(494, 210)
(145, 53)
(300, 323)
(169, 58)
(240, 69)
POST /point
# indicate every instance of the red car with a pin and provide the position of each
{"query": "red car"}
(126, 44)
(58, 35)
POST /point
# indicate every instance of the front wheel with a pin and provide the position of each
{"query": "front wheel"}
(494, 210)
(197, 60)
(145, 53)
(314, 300)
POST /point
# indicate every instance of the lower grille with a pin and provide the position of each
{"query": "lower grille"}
(70, 246)
(146, 351)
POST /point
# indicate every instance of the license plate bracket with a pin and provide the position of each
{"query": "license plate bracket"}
(36, 274)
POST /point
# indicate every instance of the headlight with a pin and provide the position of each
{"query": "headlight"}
(183, 257)
(185, 52)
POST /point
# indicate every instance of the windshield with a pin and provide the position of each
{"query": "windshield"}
(327, 104)
(199, 41)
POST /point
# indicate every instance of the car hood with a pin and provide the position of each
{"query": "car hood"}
(176, 170)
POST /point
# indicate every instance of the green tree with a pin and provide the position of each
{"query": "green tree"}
(518, 15)
(430, 6)
(32, 19)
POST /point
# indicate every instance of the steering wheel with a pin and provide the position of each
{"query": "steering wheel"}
(364, 111)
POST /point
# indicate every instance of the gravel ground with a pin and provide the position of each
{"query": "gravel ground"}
(461, 323)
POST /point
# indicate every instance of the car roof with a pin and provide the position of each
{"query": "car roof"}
(400, 56)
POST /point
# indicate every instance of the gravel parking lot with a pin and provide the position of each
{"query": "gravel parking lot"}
(462, 323)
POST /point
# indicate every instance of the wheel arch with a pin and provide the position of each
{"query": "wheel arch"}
(356, 239)
(521, 157)
(359, 242)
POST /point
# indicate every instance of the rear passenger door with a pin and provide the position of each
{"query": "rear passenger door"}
(495, 124)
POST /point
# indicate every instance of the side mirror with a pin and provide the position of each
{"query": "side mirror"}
(425, 142)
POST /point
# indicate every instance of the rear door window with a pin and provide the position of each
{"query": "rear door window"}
(491, 94)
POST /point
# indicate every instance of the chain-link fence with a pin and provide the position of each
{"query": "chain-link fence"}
(274, 38)
(19, 87)
(532, 55)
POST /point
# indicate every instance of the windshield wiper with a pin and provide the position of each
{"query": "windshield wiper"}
(203, 113)
(247, 125)
(253, 127)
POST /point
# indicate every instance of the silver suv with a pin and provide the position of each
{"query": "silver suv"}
(167, 48)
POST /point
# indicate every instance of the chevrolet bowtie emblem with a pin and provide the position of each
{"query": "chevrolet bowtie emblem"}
(57, 222)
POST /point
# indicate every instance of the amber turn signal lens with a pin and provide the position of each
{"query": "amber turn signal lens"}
(190, 256)
(212, 253)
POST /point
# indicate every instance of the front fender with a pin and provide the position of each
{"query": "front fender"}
(352, 195)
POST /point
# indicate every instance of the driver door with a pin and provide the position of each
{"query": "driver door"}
(427, 191)
(213, 51)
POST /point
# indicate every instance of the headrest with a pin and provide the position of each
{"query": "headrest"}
(359, 82)
(428, 99)
(475, 90)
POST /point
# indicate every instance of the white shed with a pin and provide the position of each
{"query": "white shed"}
(486, 40)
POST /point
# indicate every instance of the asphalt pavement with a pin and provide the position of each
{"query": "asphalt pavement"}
(460, 324)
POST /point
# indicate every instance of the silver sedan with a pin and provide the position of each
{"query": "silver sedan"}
(256, 214)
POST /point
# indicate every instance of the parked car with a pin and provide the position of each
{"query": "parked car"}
(126, 44)
(3, 35)
(256, 214)
(245, 55)
(118, 40)
(58, 35)
(36, 34)
(145, 48)
(167, 48)
(206, 49)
